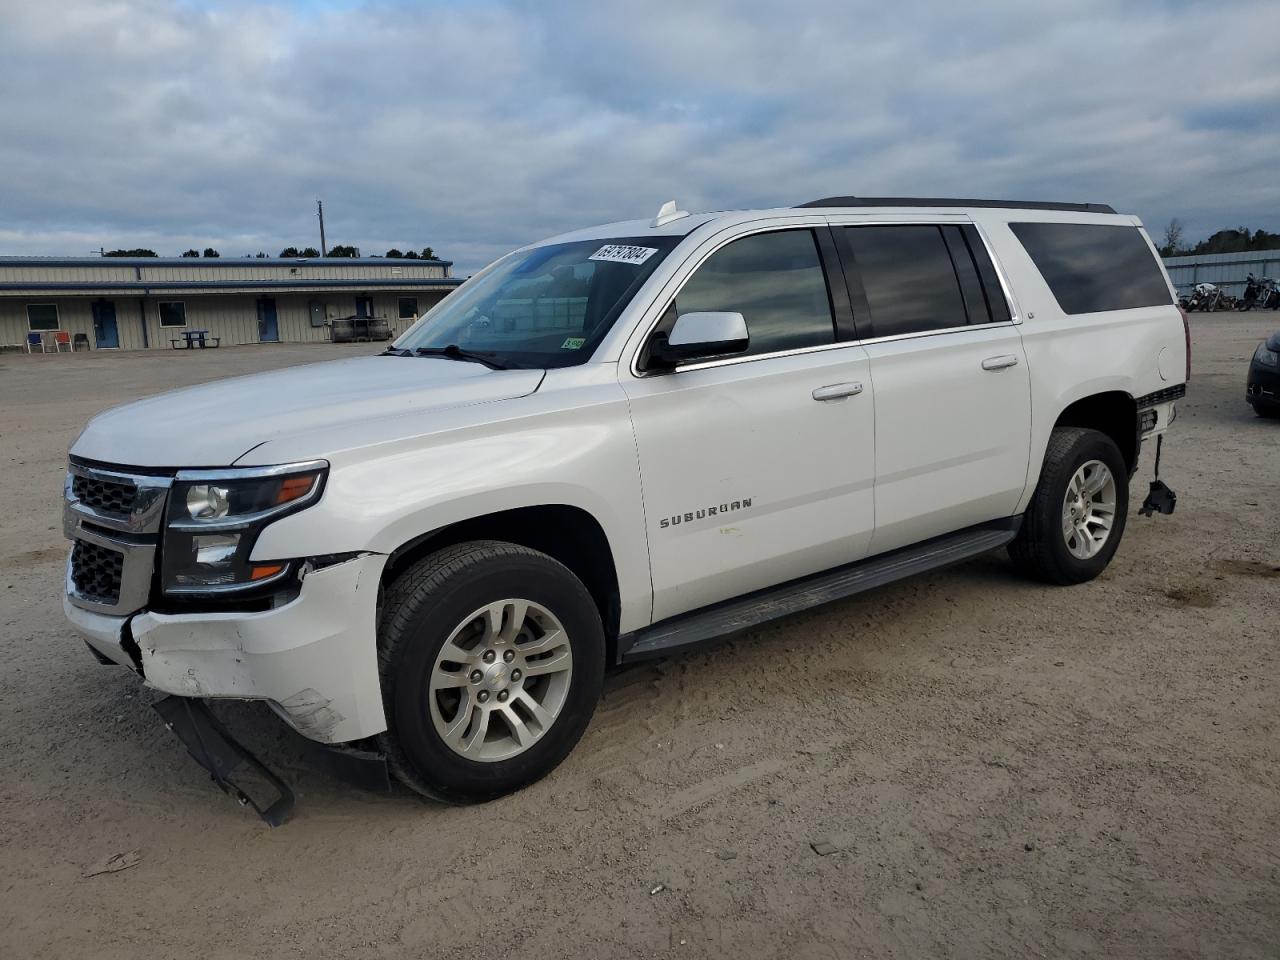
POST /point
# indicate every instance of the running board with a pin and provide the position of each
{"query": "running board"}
(732, 616)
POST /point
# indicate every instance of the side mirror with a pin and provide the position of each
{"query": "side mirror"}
(699, 335)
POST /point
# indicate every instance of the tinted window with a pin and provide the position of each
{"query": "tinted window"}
(173, 314)
(991, 289)
(42, 316)
(908, 278)
(1092, 266)
(975, 303)
(775, 281)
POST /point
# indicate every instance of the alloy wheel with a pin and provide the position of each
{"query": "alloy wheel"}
(500, 680)
(1089, 509)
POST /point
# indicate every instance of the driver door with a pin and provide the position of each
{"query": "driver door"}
(757, 468)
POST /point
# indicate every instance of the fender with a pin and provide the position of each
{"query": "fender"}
(570, 446)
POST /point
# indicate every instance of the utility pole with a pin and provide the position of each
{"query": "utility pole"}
(320, 213)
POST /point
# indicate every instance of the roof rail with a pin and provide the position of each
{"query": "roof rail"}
(951, 202)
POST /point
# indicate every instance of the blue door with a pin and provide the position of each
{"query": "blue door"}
(105, 334)
(268, 330)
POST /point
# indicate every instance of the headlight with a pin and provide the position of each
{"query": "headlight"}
(1267, 357)
(214, 519)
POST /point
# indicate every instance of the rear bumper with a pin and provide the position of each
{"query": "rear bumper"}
(314, 659)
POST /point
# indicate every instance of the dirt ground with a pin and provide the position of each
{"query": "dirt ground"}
(1003, 768)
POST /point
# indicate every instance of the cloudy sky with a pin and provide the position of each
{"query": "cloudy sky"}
(475, 127)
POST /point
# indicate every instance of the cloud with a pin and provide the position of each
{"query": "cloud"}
(475, 128)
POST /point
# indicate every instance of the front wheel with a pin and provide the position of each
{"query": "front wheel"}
(1076, 517)
(492, 660)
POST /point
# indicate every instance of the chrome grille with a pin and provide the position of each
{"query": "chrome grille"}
(104, 496)
(113, 517)
(96, 572)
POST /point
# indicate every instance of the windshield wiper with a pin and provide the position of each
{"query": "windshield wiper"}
(395, 352)
(455, 352)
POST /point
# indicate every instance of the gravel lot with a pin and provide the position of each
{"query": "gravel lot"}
(1003, 769)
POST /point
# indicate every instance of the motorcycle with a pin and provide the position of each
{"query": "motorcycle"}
(1261, 293)
(1205, 297)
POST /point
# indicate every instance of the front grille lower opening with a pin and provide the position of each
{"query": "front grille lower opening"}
(96, 572)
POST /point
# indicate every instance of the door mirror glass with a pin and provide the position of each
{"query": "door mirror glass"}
(696, 336)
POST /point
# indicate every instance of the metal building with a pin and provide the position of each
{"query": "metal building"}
(146, 302)
(1227, 270)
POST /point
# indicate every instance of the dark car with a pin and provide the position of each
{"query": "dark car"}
(1263, 390)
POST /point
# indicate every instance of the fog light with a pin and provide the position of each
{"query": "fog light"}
(208, 502)
(215, 548)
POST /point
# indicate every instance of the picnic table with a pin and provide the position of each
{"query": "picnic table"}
(194, 338)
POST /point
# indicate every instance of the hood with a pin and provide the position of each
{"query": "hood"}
(214, 424)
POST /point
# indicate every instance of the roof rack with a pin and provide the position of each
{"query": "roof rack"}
(951, 202)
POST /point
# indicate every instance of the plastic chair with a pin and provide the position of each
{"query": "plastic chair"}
(35, 340)
(61, 339)
(80, 338)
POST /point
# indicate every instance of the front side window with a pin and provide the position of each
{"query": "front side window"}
(1095, 266)
(173, 314)
(545, 307)
(42, 316)
(775, 280)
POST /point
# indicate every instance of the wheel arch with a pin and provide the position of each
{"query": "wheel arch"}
(1113, 412)
(568, 534)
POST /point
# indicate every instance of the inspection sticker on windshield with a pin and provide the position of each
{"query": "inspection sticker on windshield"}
(573, 343)
(621, 253)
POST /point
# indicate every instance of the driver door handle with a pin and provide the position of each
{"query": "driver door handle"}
(999, 363)
(837, 391)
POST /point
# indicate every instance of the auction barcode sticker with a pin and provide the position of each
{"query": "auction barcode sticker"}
(621, 253)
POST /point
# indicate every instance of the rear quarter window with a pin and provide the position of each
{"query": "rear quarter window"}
(1091, 267)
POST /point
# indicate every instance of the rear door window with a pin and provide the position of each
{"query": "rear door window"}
(908, 278)
(775, 280)
(1091, 267)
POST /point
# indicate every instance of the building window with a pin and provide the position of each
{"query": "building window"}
(42, 316)
(408, 308)
(173, 313)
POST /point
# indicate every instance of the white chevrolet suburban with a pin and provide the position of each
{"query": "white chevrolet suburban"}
(619, 443)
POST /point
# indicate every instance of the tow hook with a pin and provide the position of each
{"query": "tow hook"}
(1160, 499)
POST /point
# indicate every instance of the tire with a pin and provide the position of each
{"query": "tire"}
(445, 599)
(1267, 413)
(1042, 549)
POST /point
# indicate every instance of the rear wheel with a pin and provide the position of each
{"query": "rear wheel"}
(492, 659)
(1076, 517)
(1268, 413)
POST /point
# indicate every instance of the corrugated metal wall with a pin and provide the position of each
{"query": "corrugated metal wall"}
(1227, 270)
(233, 318)
(162, 270)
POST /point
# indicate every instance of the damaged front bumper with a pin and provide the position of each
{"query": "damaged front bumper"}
(314, 659)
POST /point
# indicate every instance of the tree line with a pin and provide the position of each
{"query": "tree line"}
(1238, 240)
(341, 250)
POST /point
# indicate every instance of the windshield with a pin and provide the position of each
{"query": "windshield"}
(546, 307)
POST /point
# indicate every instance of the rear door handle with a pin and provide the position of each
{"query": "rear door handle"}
(836, 391)
(999, 363)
